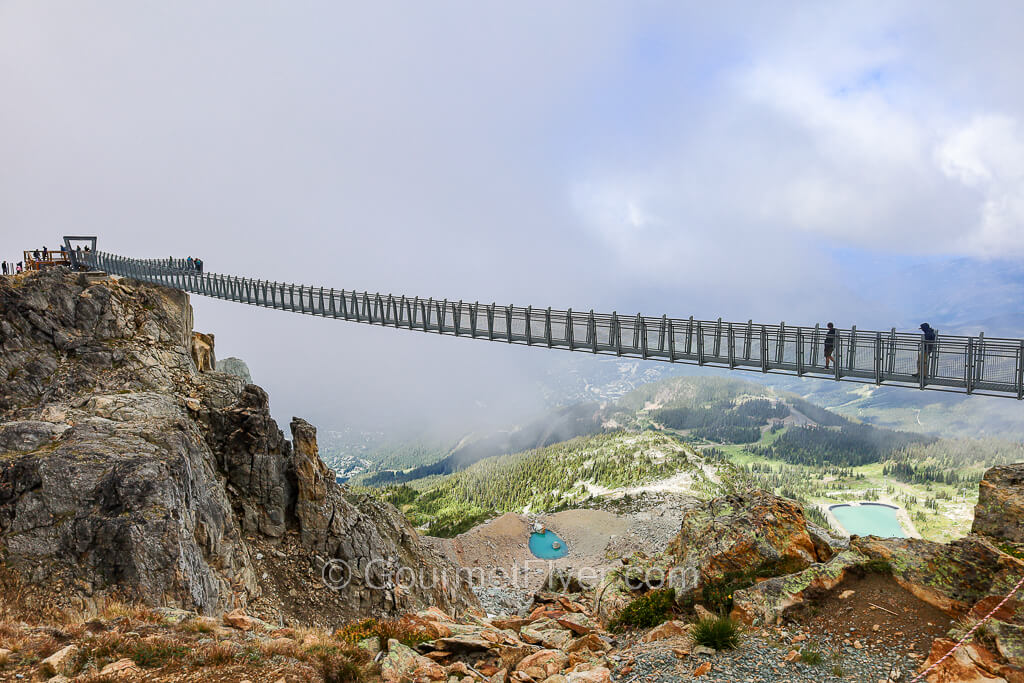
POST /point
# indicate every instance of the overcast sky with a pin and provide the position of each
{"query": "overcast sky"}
(862, 162)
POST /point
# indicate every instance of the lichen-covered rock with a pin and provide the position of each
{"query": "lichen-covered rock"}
(765, 602)
(1000, 509)
(757, 532)
(404, 665)
(125, 471)
(1009, 641)
(953, 576)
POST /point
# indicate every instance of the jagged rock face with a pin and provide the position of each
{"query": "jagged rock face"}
(124, 470)
(1000, 509)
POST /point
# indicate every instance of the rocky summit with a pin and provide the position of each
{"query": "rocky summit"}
(128, 469)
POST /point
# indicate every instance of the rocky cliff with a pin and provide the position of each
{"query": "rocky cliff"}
(126, 471)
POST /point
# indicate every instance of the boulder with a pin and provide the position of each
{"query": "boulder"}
(754, 534)
(61, 662)
(1000, 509)
(598, 674)
(122, 668)
(670, 629)
(959, 667)
(550, 662)
(402, 664)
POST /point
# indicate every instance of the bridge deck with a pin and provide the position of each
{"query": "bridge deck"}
(980, 365)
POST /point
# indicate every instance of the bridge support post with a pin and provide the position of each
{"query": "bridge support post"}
(969, 366)
(814, 345)
(852, 360)
(1020, 372)
(764, 349)
(799, 355)
(700, 344)
(732, 347)
(592, 331)
(878, 357)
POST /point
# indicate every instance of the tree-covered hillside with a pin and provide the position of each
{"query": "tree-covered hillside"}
(544, 479)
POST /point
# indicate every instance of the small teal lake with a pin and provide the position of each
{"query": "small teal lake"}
(541, 545)
(868, 520)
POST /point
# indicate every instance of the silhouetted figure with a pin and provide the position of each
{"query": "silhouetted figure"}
(46, 254)
(190, 264)
(199, 264)
(927, 349)
(830, 345)
(35, 254)
(5, 267)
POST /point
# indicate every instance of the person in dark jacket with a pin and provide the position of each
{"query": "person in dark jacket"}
(830, 344)
(927, 348)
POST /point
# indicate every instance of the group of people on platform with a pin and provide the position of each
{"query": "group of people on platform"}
(43, 255)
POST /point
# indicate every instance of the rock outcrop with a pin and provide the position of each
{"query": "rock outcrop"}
(236, 367)
(202, 352)
(126, 471)
(1000, 509)
(951, 576)
(744, 534)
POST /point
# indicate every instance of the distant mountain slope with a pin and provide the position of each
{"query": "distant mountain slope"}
(561, 425)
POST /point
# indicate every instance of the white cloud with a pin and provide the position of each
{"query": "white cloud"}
(987, 154)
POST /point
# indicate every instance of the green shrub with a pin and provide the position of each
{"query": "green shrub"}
(648, 610)
(718, 633)
(156, 654)
(811, 655)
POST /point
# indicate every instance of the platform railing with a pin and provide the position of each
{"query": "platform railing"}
(981, 365)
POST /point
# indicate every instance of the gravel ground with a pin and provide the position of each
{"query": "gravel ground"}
(761, 660)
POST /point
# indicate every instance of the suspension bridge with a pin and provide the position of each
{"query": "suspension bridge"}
(972, 365)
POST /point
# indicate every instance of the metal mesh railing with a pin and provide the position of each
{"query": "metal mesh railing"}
(979, 364)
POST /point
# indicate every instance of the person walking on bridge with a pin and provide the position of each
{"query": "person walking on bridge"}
(5, 267)
(927, 349)
(830, 344)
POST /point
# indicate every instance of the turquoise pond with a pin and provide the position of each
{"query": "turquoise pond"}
(540, 545)
(868, 520)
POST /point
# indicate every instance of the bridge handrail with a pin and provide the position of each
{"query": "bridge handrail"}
(983, 365)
